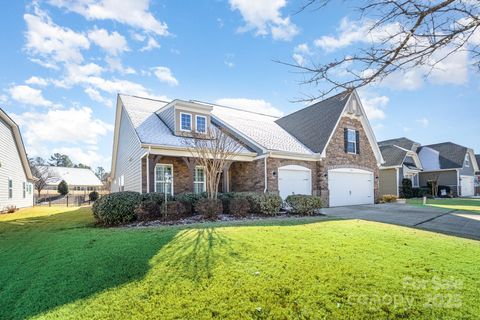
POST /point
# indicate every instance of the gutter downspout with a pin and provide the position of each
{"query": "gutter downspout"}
(265, 173)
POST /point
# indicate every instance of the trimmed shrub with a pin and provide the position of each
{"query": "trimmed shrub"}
(388, 198)
(418, 192)
(148, 210)
(173, 210)
(62, 188)
(209, 208)
(263, 203)
(226, 198)
(116, 208)
(10, 209)
(304, 204)
(156, 197)
(189, 200)
(93, 196)
(238, 206)
(407, 191)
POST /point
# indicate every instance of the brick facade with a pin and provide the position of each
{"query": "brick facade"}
(249, 176)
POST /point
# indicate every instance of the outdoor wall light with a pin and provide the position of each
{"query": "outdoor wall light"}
(274, 173)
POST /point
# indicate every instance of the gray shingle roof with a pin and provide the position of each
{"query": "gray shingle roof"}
(451, 155)
(392, 155)
(401, 142)
(320, 119)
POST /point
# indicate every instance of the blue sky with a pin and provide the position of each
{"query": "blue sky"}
(63, 62)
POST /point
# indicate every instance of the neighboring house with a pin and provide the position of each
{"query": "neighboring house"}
(327, 149)
(451, 165)
(401, 162)
(80, 181)
(477, 177)
(15, 175)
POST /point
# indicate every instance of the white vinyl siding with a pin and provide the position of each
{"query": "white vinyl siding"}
(128, 155)
(11, 168)
(199, 181)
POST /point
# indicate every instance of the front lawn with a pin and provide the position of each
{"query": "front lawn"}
(61, 266)
(471, 205)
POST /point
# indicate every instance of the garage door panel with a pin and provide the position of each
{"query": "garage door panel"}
(467, 186)
(294, 181)
(350, 187)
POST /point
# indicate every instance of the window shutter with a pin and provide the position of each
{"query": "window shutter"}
(357, 136)
(345, 139)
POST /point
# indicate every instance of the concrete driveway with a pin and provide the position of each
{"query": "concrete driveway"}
(453, 222)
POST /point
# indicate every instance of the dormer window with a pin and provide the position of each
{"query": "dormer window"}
(467, 161)
(201, 124)
(185, 121)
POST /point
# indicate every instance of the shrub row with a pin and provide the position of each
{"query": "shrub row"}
(124, 207)
(388, 198)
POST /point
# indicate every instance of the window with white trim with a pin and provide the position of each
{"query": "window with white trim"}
(10, 189)
(467, 161)
(164, 178)
(185, 121)
(199, 180)
(351, 141)
(201, 124)
(24, 185)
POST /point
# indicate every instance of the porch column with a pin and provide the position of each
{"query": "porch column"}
(226, 179)
(152, 160)
(191, 163)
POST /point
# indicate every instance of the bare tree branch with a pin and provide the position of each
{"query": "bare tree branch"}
(402, 35)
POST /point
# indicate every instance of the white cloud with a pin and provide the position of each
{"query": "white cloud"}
(164, 74)
(96, 96)
(254, 105)
(134, 13)
(74, 125)
(264, 17)
(228, 61)
(28, 95)
(52, 42)
(351, 32)
(151, 44)
(374, 105)
(424, 122)
(37, 81)
(87, 156)
(113, 43)
(300, 52)
(115, 64)
(3, 98)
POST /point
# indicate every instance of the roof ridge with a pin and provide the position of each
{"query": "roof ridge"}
(234, 108)
(145, 98)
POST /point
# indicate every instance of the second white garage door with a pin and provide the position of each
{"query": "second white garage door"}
(350, 187)
(294, 179)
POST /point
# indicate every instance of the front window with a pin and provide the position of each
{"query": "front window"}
(10, 188)
(24, 189)
(351, 141)
(201, 124)
(185, 121)
(199, 180)
(467, 161)
(164, 178)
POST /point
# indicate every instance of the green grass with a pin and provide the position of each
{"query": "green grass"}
(471, 205)
(60, 266)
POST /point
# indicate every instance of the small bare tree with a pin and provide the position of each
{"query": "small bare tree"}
(213, 151)
(399, 35)
(41, 176)
(433, 180)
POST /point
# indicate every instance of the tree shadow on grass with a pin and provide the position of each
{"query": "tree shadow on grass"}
(50, 261)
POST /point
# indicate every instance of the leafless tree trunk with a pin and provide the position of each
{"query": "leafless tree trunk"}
(433, 179)
(41, 175)
(213, 151)
(400, 35)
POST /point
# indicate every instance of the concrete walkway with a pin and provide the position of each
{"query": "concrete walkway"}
(452, 222)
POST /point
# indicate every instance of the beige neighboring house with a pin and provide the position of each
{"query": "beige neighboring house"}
(81, 181)
(326, 149)
(16, 180)
(401, 162)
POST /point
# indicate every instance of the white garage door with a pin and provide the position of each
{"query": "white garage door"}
(294, 180)
(467, 186)
(350, 187)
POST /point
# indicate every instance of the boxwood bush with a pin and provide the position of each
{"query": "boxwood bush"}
(93, 196)
(189, 200)
(304, 204)
(263, 203)
(116, 208)
(148, 210)
(209, 208)
(238, 206)
(173, 210)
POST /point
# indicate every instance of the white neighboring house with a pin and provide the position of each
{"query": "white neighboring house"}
(79, 180)
(16, 180)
